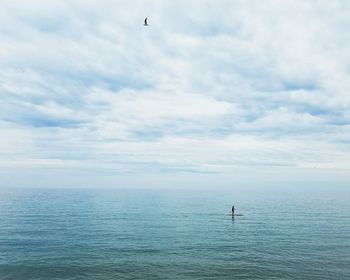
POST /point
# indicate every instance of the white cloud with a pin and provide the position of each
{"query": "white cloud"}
(207, 87)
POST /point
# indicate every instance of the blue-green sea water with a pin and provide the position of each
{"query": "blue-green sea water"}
(159, 234)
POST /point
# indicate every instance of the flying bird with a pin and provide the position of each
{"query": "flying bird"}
(145, 24)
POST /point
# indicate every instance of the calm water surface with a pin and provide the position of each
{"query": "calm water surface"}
(158, 234)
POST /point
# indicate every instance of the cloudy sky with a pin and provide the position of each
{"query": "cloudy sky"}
(216, 93)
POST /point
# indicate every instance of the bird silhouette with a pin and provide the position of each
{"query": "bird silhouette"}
(145, 24)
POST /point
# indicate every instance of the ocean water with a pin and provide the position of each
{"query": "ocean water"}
(159, 234)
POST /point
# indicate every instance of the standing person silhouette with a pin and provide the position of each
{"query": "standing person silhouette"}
(233, 210)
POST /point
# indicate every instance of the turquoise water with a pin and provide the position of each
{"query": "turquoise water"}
(119, 234)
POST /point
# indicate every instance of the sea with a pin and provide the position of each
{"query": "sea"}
(174, 234)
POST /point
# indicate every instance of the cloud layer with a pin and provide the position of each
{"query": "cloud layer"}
(208, 87)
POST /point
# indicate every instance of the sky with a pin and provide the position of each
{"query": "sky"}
(220, 93)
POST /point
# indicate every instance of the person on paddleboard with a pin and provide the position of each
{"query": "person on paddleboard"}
(233, 210)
